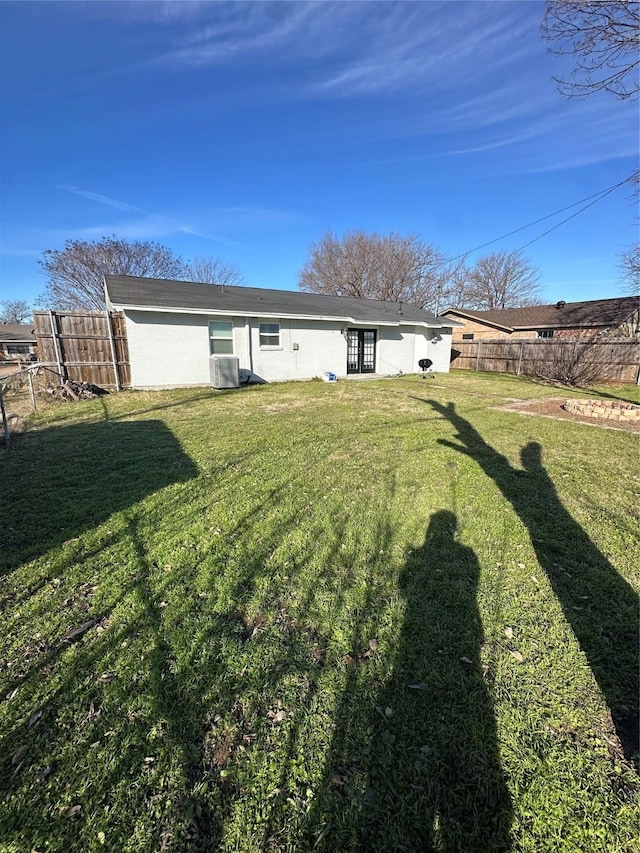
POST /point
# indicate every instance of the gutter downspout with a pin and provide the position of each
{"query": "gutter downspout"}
(247, 326)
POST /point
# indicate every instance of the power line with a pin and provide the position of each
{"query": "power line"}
(557, 225)
(597, 196)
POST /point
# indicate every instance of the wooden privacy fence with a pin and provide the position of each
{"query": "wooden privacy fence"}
(85, 346)
(619, 359)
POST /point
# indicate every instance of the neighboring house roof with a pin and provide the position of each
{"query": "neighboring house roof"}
(130, 292)
(16, 333)
(561, 315)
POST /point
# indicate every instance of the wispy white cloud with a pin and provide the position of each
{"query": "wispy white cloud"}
(147, 226)
(491, 146)
(353, 49)
(433, 52)
(435, 69)
(102, 199)
(468, 75)
(275, 31)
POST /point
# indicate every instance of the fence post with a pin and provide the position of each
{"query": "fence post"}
(32, 393)
(54, 334)
(7, 437)
(477, 356)
(520, 358)
(113, 350)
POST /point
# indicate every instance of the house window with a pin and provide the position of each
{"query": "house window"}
(221, 337)
(468, 336)
(269, 335)
(545, 333)
(18, 349)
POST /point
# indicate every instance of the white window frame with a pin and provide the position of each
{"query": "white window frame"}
(272, 337)
(221, 337)
(546, 334)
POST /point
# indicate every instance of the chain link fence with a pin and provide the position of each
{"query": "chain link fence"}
(23, 392)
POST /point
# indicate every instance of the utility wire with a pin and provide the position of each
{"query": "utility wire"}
(558, 224)
(597, 196)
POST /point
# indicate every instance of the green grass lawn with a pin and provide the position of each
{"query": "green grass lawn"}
(372, 616)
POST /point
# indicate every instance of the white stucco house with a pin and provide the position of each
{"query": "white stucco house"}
(176, 329)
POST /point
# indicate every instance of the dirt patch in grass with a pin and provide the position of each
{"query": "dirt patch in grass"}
(552, 408)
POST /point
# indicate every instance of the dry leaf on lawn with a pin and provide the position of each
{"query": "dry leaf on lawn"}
(276, 717)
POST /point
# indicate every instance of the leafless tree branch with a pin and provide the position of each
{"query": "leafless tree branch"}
(630, 269)
(499, 280)
(15, 311)
(208, 270)
(603, 38)
(75, 274)
(393, 267)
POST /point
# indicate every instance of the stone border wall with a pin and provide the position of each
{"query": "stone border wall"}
(603, 409)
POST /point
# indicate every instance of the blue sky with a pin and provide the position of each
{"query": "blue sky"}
(246, 130)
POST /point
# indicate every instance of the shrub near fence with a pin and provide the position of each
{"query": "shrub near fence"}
(85, 346)
(614, 360)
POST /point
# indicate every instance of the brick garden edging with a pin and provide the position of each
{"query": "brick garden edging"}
(603, 409)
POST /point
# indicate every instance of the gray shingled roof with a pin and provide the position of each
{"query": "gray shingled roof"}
(17, 333)
(131, 292)
(568, 315)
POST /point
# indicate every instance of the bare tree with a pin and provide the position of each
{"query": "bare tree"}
(458, 285)
(15, 311)
(394, 267)
(603, 38)
(501, 280)
(75, 273)
(629, 260)
(630, 269)
(212, 271)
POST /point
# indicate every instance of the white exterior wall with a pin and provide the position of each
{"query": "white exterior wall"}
(436, 345)
(167, 350)
(172, 350)
(395, 348)
(321, 347)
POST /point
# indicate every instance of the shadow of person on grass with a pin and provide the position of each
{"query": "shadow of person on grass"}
(64, 480)
(419, 770)
(600, 606)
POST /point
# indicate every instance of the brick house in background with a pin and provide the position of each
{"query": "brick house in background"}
(599, 317)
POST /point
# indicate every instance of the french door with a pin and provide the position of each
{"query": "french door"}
(361, 351)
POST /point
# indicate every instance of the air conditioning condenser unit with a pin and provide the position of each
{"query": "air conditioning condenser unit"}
(225, 371)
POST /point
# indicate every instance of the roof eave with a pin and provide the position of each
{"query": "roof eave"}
(226, 312)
